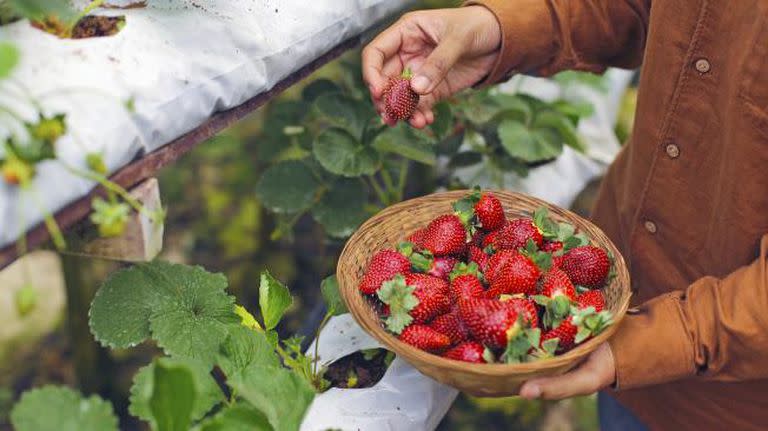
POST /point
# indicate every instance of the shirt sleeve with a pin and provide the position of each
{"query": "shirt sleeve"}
(548, 36)
(716, 329)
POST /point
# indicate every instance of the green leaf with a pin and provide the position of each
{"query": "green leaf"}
(173, 397)
(465, 158)
(274, 299)
(450, 145)
(401, 300)
(341, 210)
(345, 112)
(341, 154)
(206, 391)
(405, 141)
(332, 296)
(283, 396)
(562, 125)
(513, 107)
(318, 88)
(54, 408)
(238, 417)
(9, 58)
(287, 187)
(443, 119)
(573, 110)
(520, 142)
(245, 347)
(571, 77)
(37, 10)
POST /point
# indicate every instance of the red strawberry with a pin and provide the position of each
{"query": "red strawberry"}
(417, 238)
(383, 266)
(400, 100)
(445, 235)
(586, 265)
(565, 333)
(516, 233)
(466, 286)
(477, 238)
(517, 275)
(489, 212)
(425, 338)
(451, 325)
(591, 298)
(556, 282)
(491, 322)
(477, 255)
(496, 261)
(551, 246)
(442, 266)
(526, 307)
(490, 239)
(432, 293)
(557, 261)
(469, 351)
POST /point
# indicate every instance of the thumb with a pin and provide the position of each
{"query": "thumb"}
(436, 66)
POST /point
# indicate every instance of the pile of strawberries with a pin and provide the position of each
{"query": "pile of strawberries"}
(474, 286)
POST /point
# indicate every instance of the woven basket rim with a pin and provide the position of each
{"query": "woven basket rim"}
(411, 353)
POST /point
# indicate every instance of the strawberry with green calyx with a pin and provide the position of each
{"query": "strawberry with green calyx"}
(565, 238)
(551, 246)
(525, 307)
(542, 259)
(384, 265)
(497, 261)
(468, 351)
(489, 212)
(417, 238)
(517, 275)
(490, 321)
(557, 296)
(424, 262)
(564, 333)
(541, 349)
(451, 325)
(466, 286)
(518, 347)
(432, 294)
(400, 101)
(477, 256)
(399, 299)
(587, 266)
(463, 268)
(590, 323)
(425, 338)
(446, 235)
(490, 239)
(591, 298)
(516, 233)
(464, 208)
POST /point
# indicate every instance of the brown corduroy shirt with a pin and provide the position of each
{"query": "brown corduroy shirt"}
(686, 201)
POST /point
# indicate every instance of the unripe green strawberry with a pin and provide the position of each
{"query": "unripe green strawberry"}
(425, 338)
(400, 101)
(468, 351)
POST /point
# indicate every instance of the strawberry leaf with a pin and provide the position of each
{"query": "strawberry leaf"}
(52, 408)
(421, 262)
(549, 229)
(462, 268)
(465, 207)
(274, 299)
(401, 301)
(488, 355)
(582, 335)
(237, 417)
(332, 297)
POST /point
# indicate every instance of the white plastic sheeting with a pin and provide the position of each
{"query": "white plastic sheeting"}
(180, 61)
(404, 399)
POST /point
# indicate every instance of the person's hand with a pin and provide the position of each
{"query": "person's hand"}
(596, 373)
(446, 49)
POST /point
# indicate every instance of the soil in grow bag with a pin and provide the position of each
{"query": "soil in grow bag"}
(359, 370)
(86, 27)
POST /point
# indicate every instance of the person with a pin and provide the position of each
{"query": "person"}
(685, 201)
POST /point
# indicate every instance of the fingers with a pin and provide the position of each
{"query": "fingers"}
(437, 65)
(376, 54)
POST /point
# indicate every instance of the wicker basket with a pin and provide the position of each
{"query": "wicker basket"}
(393, 224)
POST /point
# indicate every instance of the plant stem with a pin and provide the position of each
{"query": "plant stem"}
(50, 222)
(388, 183)
(317, 343)
(403, 177)
(379, 191)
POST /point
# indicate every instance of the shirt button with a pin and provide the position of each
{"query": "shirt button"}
(702, 65)
(650, 226)
(673, 151)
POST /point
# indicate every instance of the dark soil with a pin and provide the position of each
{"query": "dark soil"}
(97, 26)
(359, 370)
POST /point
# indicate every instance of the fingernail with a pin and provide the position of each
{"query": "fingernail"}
(420, 83)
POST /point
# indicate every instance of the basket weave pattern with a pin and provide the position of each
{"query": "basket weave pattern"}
(392, 225)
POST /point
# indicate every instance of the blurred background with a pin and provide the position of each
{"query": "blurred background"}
(219, 215)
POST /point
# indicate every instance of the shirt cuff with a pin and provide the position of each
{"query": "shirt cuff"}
(528, 38)
(653, 346)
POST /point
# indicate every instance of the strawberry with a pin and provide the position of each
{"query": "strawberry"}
(451, 325)
(565, 332)
(496, 261)
(477, 255)
(445, 235)
(432, 293)
(400, 100)
(425, 338)
(586, 266)
(525, 307)
(551, 246)
(491, 322)
(384, 265)
(556, 282)
(490, 238)
(477, 238)
(517, 275)
(417, 238)
(516, 233)
(466, 286)
(489, 212)
(591, 298)
(468, 351)
(442, 266)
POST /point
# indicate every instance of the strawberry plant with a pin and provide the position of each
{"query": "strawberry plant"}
(59, 18)
(222, 367)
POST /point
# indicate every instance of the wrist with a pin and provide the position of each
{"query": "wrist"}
(486, 29)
